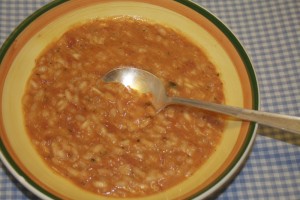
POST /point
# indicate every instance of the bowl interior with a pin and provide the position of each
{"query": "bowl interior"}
(20, 58)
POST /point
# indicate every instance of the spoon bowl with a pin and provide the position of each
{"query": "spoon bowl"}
(146, 82)
(142, 81)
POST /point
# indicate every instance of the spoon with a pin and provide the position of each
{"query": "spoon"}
(145, 82)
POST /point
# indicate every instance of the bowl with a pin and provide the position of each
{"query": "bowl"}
(24, 45)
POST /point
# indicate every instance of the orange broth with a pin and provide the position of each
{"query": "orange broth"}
(107, 138)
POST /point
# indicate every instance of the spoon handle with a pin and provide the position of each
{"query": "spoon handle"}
(284, 122)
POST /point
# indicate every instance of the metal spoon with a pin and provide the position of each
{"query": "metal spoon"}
(145, 82)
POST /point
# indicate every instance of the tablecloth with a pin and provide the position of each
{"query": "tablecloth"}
(270, 33)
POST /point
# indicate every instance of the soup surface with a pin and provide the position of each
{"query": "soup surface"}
(107, 138)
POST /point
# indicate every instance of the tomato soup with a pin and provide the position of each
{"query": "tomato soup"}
(107, 138)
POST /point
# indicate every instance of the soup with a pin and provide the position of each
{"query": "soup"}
(107, 138)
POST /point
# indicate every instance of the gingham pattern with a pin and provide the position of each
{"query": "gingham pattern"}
(270, 32)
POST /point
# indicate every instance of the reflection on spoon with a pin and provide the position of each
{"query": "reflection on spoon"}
(145, 82)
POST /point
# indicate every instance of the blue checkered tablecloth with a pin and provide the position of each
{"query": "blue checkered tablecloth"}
(270, 32)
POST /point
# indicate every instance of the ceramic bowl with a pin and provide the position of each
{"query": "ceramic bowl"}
(18, 55)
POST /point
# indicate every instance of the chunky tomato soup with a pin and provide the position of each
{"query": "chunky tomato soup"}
(106, 138)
